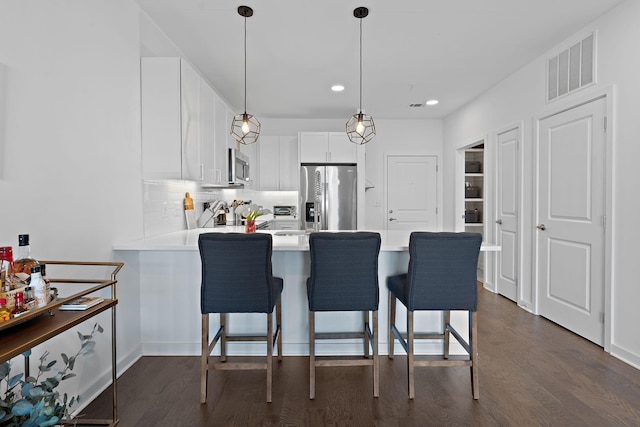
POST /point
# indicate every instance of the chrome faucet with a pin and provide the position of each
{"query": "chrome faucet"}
(215, 208)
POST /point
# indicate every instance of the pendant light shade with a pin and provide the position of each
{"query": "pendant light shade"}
(245, 128)
(360, 127)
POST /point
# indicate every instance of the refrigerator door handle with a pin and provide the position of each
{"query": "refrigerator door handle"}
(318, 204)
(325, 218)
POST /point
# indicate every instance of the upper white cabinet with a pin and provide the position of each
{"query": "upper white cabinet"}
(216, 153)
(210, 154)
(172, 134)
(191, 121)
(278, 162)
(327, 147)
(251, 151)
(341, 149)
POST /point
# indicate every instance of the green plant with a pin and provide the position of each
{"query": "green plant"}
(34, 402)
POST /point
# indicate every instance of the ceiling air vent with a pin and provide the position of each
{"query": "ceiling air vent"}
(571, 69)
(416, 105)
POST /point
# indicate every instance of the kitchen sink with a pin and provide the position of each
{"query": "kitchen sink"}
(291, 233)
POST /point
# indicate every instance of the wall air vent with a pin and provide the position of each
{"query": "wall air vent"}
(571, 69)
(416, 105)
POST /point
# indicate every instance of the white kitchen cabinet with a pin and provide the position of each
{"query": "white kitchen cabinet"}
(231, 141)
(171, 115)
(327, 147)
(341, 149)
(286, 224)
(210, 155)
(191, 122)
(278, 163)
(216, 153)
(251, 151)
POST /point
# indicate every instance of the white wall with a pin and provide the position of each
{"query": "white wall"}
(403, 137)
(521, 97)
(71, 156)
(392, 137)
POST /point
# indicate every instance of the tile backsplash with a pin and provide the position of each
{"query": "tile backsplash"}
(163, 202)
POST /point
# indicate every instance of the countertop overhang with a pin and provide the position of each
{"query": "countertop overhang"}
(187, 240)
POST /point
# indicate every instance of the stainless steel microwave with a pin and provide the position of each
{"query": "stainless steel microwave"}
(238, 167)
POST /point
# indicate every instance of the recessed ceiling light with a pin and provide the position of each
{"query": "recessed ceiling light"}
(337, 88)
(432, 102)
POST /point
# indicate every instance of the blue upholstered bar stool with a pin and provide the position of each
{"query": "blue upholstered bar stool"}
(237, 278)
(344, 277)
(442, 276)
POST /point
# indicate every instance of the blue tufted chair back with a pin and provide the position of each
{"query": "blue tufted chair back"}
(344, 271)
(236, 273)
(443, 271)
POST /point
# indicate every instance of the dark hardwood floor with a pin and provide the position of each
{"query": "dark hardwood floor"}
(532, 372)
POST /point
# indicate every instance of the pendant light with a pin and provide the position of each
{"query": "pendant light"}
(360, 127)
(245, 128)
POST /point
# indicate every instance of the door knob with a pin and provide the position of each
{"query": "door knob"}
(391, 211)
(541, 227)
(499, 222)
(393, 219)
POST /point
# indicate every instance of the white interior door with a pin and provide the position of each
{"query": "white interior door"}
(507, 213)
(412, 193)
(571, 209)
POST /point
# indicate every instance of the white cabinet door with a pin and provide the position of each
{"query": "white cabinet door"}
(278, 162)
(289, 170)
(191, 122)
(313, 147)
(231, 142)
(287, 225)
(160, 118)
(171, 114)
(327, 147)
(341, 149)
(220, 143)
(251, 151)
(269, 163)
(208, 101)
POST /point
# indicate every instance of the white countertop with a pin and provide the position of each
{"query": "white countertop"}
(187, 240)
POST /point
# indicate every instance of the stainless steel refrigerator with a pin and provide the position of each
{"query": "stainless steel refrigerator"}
(328, 197)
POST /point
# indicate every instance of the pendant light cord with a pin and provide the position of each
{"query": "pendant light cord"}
(245, 65)
(360, 66)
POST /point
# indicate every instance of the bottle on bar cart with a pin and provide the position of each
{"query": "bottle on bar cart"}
(6, 268)
(5, 313)
(18, 307)
(39, 287)
(23, 262)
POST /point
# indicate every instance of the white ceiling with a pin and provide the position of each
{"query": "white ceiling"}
(413, 50)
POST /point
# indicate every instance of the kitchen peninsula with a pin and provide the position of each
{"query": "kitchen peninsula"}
(169, 272)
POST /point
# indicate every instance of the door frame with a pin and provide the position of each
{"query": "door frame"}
(521, 297)
(459, 181)
(608, 93)
(488, 259)
(439, 191)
